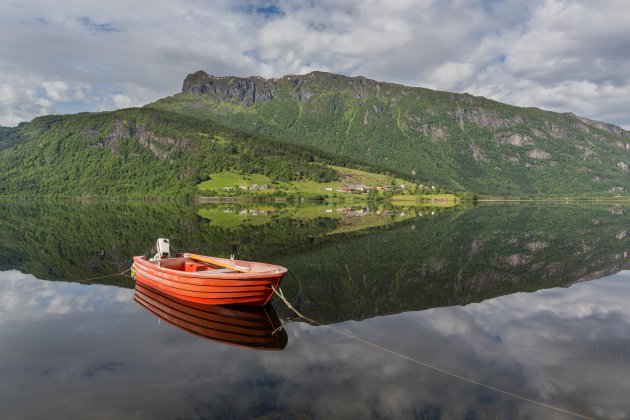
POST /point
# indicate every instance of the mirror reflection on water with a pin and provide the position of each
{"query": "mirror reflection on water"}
(529, 299)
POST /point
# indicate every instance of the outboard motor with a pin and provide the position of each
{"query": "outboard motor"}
(163, 249)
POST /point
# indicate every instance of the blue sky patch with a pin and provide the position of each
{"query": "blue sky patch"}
(92, 26)
(269, 11)
(266, 10)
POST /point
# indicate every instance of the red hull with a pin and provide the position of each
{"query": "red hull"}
(209, 285)
(242, 326)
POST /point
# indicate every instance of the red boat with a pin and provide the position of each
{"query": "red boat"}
(209, 280)
(250, 327)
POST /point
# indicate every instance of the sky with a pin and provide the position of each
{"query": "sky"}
(71, 56)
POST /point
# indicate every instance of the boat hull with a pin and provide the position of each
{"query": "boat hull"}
(251, 327)
(211, 286)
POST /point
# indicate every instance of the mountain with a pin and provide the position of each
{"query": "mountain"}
(293, 128)
(456, 140)
(143, 152)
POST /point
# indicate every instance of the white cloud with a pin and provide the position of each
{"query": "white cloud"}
(122, 101)
(57, 91)
(448, 75)
(557, 54)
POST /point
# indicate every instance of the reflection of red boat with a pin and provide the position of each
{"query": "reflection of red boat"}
(210, 280)
(243, 326)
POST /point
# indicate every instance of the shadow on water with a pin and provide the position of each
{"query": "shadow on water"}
(345, 263)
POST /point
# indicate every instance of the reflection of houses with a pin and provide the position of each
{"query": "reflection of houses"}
(352, 212)
(256, 212)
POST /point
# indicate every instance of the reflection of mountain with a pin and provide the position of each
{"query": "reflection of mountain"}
(253, 327)
(458, 258)
(451, 258)
(73, 241)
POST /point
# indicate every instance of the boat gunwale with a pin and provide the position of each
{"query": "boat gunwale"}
(208, 274)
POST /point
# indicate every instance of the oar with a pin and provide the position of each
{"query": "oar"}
(213, 261)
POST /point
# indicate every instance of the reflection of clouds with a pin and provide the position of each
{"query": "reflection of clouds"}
(23, 297)
(90, 349)
(559, 337)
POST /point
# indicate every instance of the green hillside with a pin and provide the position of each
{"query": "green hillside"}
(144, 152)
(456, 140)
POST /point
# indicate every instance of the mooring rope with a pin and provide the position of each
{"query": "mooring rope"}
(279, 293)
(104, 277)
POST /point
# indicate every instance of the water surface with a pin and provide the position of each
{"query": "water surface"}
(531, 300)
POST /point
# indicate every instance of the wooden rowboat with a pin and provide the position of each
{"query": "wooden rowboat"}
(248, 326)
(210, 280)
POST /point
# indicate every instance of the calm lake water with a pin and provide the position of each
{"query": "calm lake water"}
(418, 307)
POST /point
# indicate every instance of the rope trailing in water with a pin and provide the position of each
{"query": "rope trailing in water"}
(279, 293)
(109, 275)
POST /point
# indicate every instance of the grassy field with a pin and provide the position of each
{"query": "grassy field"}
(222, 180)
(219, 182)
(355, 176)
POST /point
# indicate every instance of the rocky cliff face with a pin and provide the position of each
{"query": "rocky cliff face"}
(604, 126)
(251, 90)
(244, 90)
(161, 146)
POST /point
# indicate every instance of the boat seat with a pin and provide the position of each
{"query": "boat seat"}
(193, 267)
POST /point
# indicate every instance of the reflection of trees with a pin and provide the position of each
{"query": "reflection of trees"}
(74, 241)
(457, 258)
(452, 257)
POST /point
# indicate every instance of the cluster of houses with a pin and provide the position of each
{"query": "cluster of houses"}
(348, 188)
(253, 187)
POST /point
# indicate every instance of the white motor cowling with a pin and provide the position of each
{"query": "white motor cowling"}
(163, 249)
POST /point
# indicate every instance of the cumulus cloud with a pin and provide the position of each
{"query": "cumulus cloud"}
(557, 54)
(56, 91)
